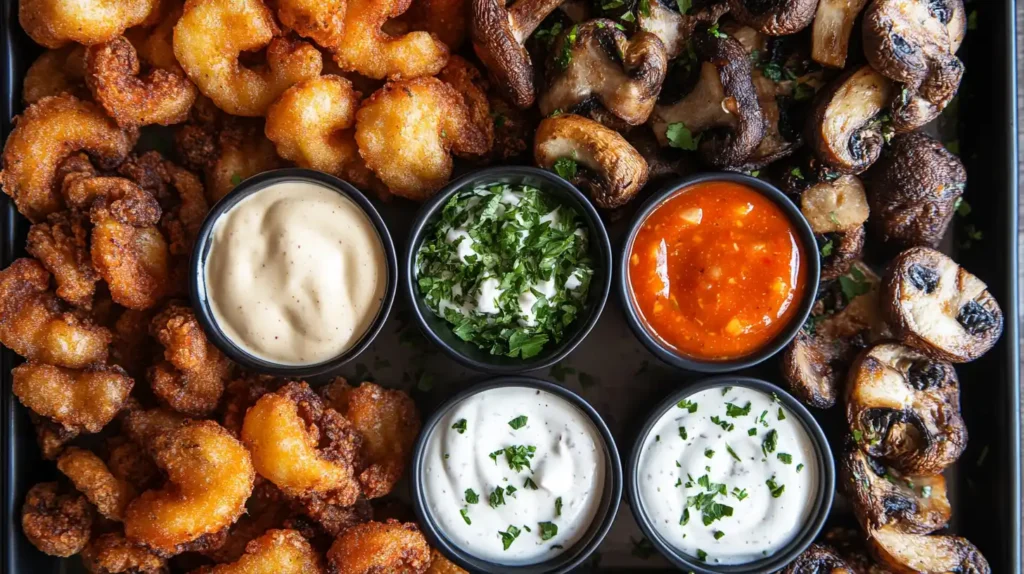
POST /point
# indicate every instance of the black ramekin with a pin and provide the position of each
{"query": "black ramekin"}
(440, 331)
(571, 557)
(197, 279)
(812, 263)
(822, 502)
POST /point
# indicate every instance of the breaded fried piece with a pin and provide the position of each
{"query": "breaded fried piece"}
(112, 553)
(61, 244)
(335, 519)
(192, 375)
(441, 565)
(265, 509)
(132, 348)
(322, 21)
(79, 400)
(55, 72)
(448, 20)
(130, 463)
(242, 393)
(370, 51)
(278, 552)
(155, 46)
(53, 23)
(142, 426)
(380, 547)
(91, 477)
(179, 192)
(50, 436)
(471, 85)
(55, 523)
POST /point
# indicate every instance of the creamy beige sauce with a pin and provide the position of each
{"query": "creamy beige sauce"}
(296, 273)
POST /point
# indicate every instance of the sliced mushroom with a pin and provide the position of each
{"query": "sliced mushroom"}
(851, 544)
(595, 70)
(722, 107)
(935, 305)
(883, 497)
(904, 408)
(914, 190)
(675, 29)
(774, 17)
(818, 558)
(839, 251)
(498, 35)
(592, 157)
(843, 321)
(844, 130)
(837, 205)
(830, 37)
(923, 554)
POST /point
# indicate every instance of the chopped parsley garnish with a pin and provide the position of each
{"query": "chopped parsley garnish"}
(782, 415)
(740, 494)
(509, 536)
(680, 137)
(465, 515)
(761, 420)
(685, 519)
(826, 249)
(709, 453)
(548, 35)
(752, 431)
(519, 456)
(775, 488)
(735, 411)
(471, 496)
(726, 425)
(510, 490)
(732, 453)
(725, 390)
(710, 509)
(565, 168)
(679, 482)
(558, 506)
(494, 455)
(497, 497)
(799, 467)
(688, 405)
(714, 31)
(857, 435)
(518, 422)
(530, 484)
(548, 530)
(719, 534)
(565, 56)
(770, 442)
(854, 284)
(701, 555)
(682, 433)
(236, 179)
(797, 173)
(460, 426)
(785, 458)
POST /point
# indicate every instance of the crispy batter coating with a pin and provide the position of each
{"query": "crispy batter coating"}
(471, 85)
(155, 46)
(406, 130)
(130, 463)
(209, 477)
(191, 377)
(311, 124)
(380, 547)
(242, 393)
(112, 553)
(53, 23)
(211, 34)
(45, 134)
(448, 20)
(335, 519)
(61, 244)
(80, 400)
(55, 72)
(302, 447)
(132, 348)
(276, 552)
(90, 475)
(50, 436)
(370, 51)
(55, 523)
(322, 21)
(441, 565)
(142, 425)
(388, 421)
(159, 97)
(265, 509)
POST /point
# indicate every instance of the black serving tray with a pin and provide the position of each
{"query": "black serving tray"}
(984, 485)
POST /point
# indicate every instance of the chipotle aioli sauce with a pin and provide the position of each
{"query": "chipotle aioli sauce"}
(296, 273)
(716, 271)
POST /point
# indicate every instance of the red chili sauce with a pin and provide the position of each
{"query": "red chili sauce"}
(716, 271)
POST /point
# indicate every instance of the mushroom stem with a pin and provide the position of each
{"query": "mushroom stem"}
(526, 15)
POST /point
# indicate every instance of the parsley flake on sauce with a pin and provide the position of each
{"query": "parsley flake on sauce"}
(519, 456)
(509, 536)
(519, 422)
(548, 530)
(726, 425)
(771, 441)
(688, 405)
(465, 515)
(775, 488)
(471, 496)
(497, 497)
(558, 506)
(735, 411)
(460, 426)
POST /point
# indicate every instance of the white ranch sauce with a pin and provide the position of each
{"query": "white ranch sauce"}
(568, 464)
(670, 468)
(296, 273)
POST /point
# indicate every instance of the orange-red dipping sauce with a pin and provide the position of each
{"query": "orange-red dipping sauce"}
(716, 271)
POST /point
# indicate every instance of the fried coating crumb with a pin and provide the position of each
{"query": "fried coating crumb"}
(439, 564)
(265, 509)
(322, 21)
(54, 23)
(61, 244)
(57, 524)
(471, 85)
(448, 20)
(112, 553)
(91, 477)
(302, 447)
(160, 96)
(332, 518)
(47, 132)
(277, 551)
(155, 46)
(132, 348)
(50, 436)
(406, 130)
(209, 477)
(130, 463)
(242, 393)
(55, 72)
(191, 377)
(370, 51)
(380, 547)
(142, 426)
(80, 400)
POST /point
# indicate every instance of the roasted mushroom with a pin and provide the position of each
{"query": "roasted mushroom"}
(595, 71)
(591, 156)
(673, 28)
(836, 209)
(722, 107)
(818, 558)
(852, 546)
(774, 17)
(830, 37)
(935, 305)
(844, 129)
(904, 408)
(922, 554)
(845, 319)
(883, 497)
(839, 250)
(913, 191)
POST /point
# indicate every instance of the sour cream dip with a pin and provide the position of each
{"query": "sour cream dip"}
(296, 273)
(514, 475)
(728, 475)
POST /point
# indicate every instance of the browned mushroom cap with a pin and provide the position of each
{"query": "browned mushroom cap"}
(844, 130)
(836, 208)
(935, 305)
(845, 319)
(913, 191)
(594, 70)
(839, 251)
(851, 544)
(904, 408)
(774, 17)
(923, 554)
(675, 29)
(883, 497)
(498, 34)
(830, 37)
(722, 107)
(592, 157)
(818, 558)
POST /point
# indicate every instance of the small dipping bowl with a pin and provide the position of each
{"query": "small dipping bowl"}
(440, 331)
(569, 557)
(798, 310)
(820, 502)
(204, 242)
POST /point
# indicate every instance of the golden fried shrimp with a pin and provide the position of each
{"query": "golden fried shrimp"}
(370, 51)
(471, 85)
(47, 132)
(90, 475)
(132, 348)
(53, 23)
(209, 477)
(322, 21)
(388, 421)
(276, 552)
(160, 96)
(380, 547)
(130, 463)
(406, 130)
(55, 72)
(265, 509)
(439, 564)
(57, 524)
(242, 393)
(311, 124)
(302, 447)
(112, 553)
(143, 425)
(155, 46)
(448, 20)
(211, 34)
(82, 400)
(61, 244)
(35, 324)
(243, 151)
(50, 436)
(191, 377)
(179, 192)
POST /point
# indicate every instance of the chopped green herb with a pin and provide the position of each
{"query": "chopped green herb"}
(509, 536)
(497, 497)
(471, 496)
(628, 17)
(510, 490)
(735, 411)
(558, 506)
(770, 442)
(494, 455)
(530, 484)
(826, 249)
(726, 425)
(752, 431)
(460, 426)
(644, 7)
(680, 137)
(953, 147)
(799, 467)
(565, 56)
(715, 32)
(548, 35)
(685, 518)
(548, 530)
(972, 20)
(709, 453)
(688, 405)
(465, 515)
(755, 173)
(518, 422)
(782, 415)
(740, 494)
(962, 208)
(803, 92)
(566, 168)
(854, 284)
(797, 173)
(732, 453)
(776, 489)
(785, 458)
(719, 534)
(701, 555)
(236, 179)
(857, 435)
(833, 217)
(682, 433)
(657, 438)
